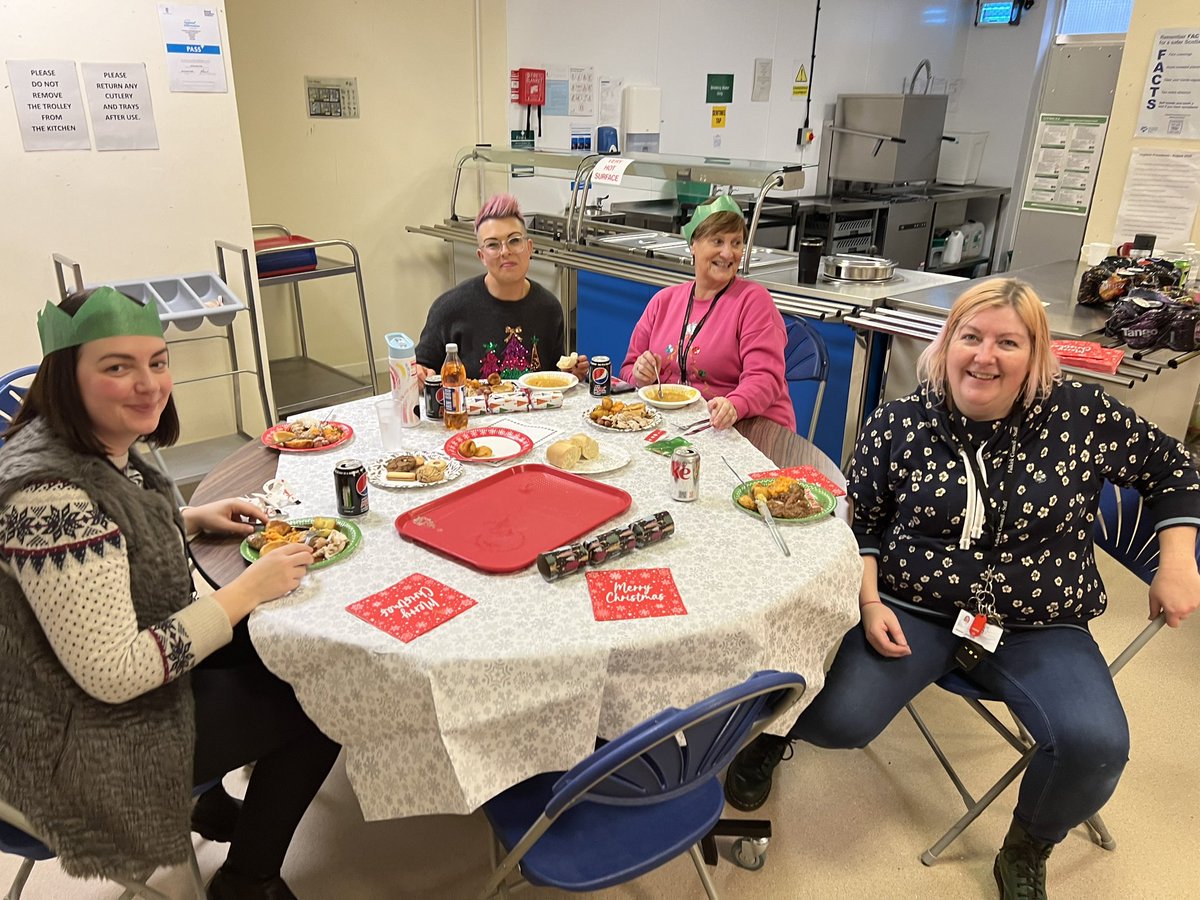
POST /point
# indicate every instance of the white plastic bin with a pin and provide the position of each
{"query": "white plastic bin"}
(960, 159)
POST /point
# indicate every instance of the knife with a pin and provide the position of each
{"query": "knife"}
(765, 512)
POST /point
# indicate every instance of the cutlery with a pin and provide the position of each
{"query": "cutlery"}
(763, 510)
(658, 377)
(691, 425)
(694, 430)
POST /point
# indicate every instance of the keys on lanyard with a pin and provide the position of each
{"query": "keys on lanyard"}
(981, 631)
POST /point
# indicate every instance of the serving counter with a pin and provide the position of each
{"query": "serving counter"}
(1160, 384)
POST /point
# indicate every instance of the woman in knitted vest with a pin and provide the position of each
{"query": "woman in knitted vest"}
(111, 708)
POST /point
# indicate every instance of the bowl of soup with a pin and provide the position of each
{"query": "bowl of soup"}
(548, 381)
(669, 396)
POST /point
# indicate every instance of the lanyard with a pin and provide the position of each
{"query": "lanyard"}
(684, 349)
(1006, 487)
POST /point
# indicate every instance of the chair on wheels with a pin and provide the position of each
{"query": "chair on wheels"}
(19, 837)
(12, 392)
(805, 359)
(637, 801)
(1123, 533)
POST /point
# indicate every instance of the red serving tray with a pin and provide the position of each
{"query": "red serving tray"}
(502, 523)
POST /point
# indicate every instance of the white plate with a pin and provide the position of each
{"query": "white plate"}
(650, 394)
(377, 470)
(653, 422)
(609, 460)
(565, 380)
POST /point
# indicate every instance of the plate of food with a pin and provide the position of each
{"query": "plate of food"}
(488, 444)
(674, 396)
(583, 455)
(614, 415)
(307, 433)
(331, 540)
(553, 381)
(412, 469)
(493, 384)
(791, 502)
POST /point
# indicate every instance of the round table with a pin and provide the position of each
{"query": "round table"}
(525, 680)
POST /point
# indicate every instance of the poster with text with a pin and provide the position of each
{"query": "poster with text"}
(195, 60)
(1066, 158)
(119, 103)
(1162, 191)
(49, 105)
(1170, 101)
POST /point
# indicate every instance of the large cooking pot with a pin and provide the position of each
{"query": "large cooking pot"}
(857, 267)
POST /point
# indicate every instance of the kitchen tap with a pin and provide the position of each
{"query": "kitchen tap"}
(912, 82)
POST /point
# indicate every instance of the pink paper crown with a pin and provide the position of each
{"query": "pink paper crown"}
(106, 313)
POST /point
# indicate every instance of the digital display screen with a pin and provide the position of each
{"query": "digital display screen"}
(994, 13)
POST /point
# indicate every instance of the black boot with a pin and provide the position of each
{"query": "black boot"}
(1020, 867)
(215, 815)
(230, 885)
(748, 781)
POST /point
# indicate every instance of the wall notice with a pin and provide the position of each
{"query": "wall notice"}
(583, 91)
(193, 43)
(49, 104)
(719, 89)
(1066, 158)
(1170, 105)
(1162, 189)
(718, 116)
(119, 102)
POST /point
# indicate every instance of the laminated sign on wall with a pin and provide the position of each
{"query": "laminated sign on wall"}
(49, 104)
(1170, 106)
(1065, 162)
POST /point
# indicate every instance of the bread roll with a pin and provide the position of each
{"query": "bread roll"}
(563, 454)
(566, 363)
(587, 445)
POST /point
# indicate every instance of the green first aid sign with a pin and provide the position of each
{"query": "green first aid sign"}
(720, 89)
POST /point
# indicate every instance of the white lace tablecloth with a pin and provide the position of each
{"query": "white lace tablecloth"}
(524, 681)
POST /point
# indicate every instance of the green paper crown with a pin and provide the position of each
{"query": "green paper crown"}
(723, 203)
(106, 313)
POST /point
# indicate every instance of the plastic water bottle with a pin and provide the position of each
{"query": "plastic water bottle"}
(454, 390)
(402, 366)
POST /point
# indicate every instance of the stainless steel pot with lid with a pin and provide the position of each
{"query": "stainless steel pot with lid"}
(857, 267)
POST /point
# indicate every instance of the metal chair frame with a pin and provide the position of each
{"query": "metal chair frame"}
(11, 394)
(1130, 542)
(805, 358)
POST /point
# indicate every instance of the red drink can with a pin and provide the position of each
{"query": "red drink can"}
(685, 474)
(350, 484)
(601, 376)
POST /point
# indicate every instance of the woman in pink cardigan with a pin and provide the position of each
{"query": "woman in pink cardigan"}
(726, 330)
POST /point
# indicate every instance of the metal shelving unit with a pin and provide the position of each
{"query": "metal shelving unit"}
(301, 382)
(188, 463)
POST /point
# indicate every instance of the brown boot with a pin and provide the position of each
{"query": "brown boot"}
(1020, 867)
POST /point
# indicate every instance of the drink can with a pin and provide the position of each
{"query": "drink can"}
(601, 376)
(350, 484)
(685, 474)
(431, 399)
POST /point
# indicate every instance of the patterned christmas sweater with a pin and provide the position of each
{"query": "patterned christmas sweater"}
(508, 337)
(70, 560)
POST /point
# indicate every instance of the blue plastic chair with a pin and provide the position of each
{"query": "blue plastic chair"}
(1130, 539)
(806, 359)
(637, 801)
(18, 837)
(11, 395)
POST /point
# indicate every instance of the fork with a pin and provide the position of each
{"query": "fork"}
(691, 425)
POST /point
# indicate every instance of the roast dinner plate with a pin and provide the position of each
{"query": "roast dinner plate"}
(303, 531)
(312, 436)
(823, 502)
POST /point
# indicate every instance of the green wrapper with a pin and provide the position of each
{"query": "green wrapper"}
(667, 447)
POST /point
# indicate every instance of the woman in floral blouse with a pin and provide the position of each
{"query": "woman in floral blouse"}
(975, 499)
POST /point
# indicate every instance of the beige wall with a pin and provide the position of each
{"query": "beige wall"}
(1149, 16)
(120, 214)
(365, 179)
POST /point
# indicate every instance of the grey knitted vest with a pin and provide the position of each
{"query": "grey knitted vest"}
(107, 785)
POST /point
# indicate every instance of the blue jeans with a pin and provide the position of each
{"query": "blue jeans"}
(1054, 679)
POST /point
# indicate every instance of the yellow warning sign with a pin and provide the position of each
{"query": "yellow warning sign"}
(800, 85)
(718, 117)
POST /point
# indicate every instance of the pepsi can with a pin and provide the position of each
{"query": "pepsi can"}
(432, 398)
(350, 484)
(685, 474)
(601, 376)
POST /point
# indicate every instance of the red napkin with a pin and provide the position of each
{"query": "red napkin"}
(803, 473)
(411, 607)
(633, 594)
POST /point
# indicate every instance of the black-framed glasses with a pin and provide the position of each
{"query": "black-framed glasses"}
(515, 244)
